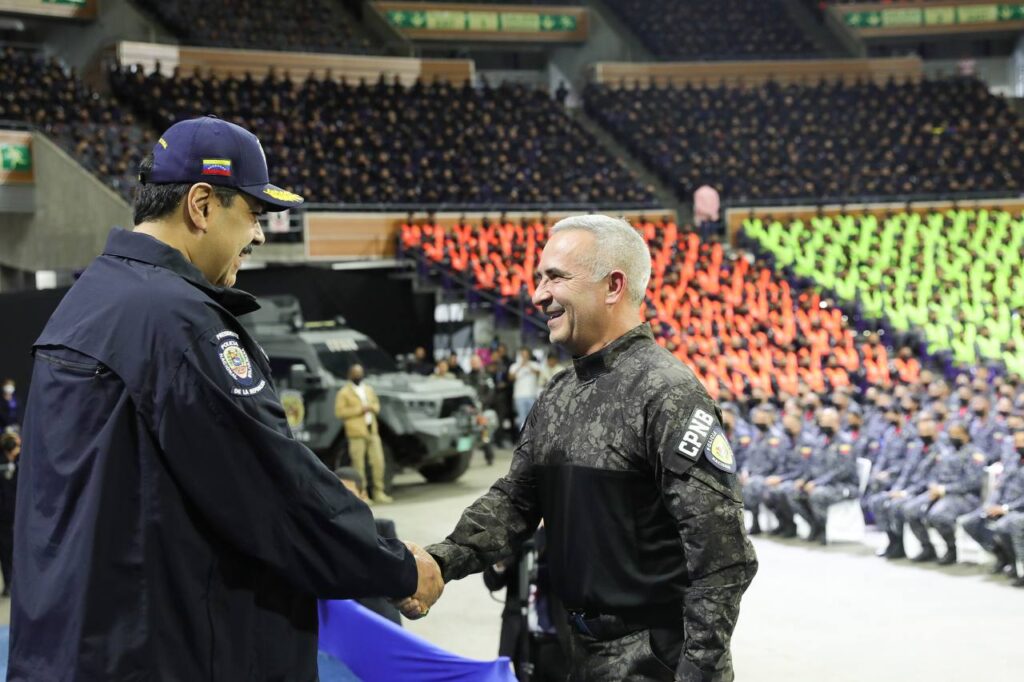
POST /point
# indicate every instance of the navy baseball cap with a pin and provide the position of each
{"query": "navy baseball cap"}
(220, 153)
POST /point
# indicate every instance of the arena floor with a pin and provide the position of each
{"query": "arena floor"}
(814, 614)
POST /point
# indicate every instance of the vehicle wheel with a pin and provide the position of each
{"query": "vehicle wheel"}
(447, 470)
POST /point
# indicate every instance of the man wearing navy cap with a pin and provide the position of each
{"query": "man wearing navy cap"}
(170, 528)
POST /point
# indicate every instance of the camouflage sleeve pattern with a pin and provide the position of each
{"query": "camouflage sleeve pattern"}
(497, 524)
(704, 500)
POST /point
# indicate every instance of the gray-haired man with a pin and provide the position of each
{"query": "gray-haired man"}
(625, 460)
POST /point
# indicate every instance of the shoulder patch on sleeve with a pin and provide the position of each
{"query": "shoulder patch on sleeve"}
(806, 451)
(845, 449)
(773, 441)
(719, 453)
(238, 365)
(978, 458)
(698, 432)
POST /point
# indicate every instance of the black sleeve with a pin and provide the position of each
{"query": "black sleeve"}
(266, 494)
(703, 499)
(498, 523)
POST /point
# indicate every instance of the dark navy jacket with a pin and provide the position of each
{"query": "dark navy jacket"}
(169, 528)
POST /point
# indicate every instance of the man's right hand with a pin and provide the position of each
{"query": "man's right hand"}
(994, 511)
(429, 584)
(773, 481)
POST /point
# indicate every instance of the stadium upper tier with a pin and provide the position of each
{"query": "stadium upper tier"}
(294, 26)
(828, 140)
(98, 131)
(725, 29)
(956, 276)
(732, 320)
(505, 2)
(385, 143)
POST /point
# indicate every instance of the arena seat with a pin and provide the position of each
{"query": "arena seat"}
(845, 520)
(725, 29)
(968, 551)
(296, 26)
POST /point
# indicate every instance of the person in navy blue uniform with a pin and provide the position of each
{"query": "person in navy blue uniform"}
(169, 527)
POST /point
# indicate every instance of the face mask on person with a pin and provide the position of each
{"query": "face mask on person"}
(1020, 451)
(828, 431)
(763, 428)
(958, 442)
(927, 440)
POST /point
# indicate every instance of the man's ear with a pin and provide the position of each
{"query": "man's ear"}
(197, 206)
(616, 287)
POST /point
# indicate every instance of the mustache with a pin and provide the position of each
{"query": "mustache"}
(248, 249)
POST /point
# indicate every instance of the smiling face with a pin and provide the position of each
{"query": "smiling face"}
(568, 294)
(232, 231)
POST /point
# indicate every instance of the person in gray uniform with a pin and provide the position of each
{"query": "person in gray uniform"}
(795, 449)
(997, 525)
(887, 506)
(830, 477)
(759, 463)
(953, 488)
(624, 459)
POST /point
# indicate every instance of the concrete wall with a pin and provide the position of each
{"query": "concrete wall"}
(79, 44)
(608, 40)
(996, 72)
(74, 212)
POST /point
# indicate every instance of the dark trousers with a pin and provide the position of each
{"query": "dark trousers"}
(7, 552)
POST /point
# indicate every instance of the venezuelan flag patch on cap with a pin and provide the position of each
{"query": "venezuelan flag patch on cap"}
(217, 167)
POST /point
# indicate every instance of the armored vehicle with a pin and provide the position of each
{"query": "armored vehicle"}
(426, 423)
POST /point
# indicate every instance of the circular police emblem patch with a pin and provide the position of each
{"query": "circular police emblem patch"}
(236, 362)
(294, 408)
(720, 454)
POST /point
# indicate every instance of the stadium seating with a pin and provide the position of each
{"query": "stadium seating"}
(385, 143)
(737, 325)
(97, 130)
(296, 26)
(819, 141)
(956, 276)
(726, 29)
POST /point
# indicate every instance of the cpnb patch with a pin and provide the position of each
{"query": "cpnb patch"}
(698, 431)
(238, 365)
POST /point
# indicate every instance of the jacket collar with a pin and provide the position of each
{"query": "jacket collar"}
(603, 361)
(145, 249)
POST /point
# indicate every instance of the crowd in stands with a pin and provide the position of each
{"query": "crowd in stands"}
(97, 130)
(296, 26)
(826, 140)
(742, 329)
(954, 278)
(697, 30)
(333, 141)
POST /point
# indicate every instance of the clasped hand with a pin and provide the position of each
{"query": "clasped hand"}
(429, 585)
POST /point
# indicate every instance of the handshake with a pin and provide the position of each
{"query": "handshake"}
(429, 585)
